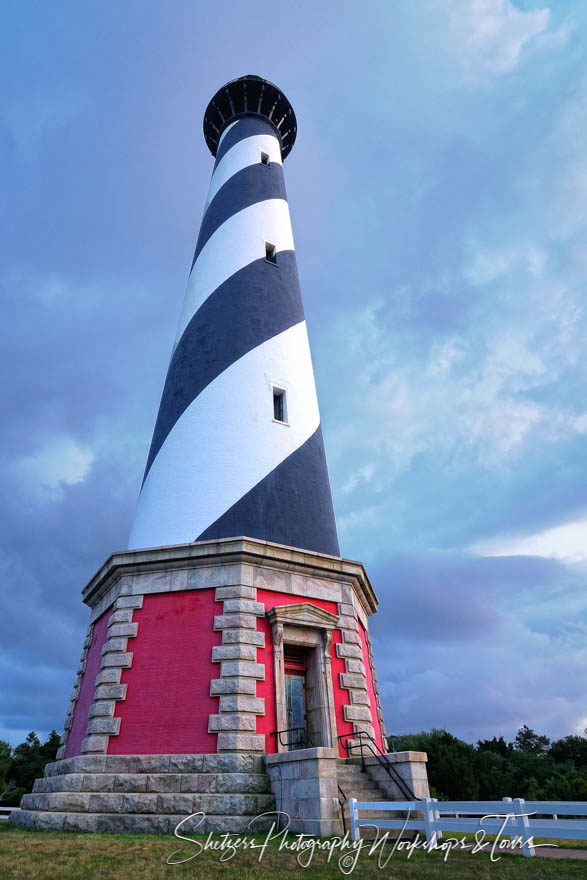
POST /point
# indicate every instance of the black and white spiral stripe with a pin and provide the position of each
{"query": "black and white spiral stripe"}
(219, 465)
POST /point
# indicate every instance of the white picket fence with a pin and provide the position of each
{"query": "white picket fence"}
(509, 818)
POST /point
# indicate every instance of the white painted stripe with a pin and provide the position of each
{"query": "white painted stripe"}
(226, 441)
(236, 243)
(244, 153)
(226, 130)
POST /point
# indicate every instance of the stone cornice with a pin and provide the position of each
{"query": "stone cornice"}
(242, 549)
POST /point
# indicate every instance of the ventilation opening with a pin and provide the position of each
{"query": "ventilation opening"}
(279, 405)
(270, 253)
(265, 159)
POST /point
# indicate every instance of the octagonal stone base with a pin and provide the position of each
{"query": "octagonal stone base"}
(149, 794)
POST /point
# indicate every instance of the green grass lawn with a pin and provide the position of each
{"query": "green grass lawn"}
(37, 855)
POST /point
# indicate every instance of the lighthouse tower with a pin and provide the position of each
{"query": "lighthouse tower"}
(237, 447)
(227, 662)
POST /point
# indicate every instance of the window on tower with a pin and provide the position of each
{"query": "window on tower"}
(270, 253)
(279, 405)
(265, 159)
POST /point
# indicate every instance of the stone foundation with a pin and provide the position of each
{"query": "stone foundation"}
(149, 794)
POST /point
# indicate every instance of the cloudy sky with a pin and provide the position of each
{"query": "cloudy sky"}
(438, 191)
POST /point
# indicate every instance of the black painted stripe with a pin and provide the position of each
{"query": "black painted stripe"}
(253, 305)
(250, 185)
(243, 128)
(292, 505)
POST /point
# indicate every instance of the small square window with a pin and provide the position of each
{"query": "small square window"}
(265, 159)
(279, 405)
(270, 253)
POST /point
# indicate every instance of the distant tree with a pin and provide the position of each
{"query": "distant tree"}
(451, 770)
(497, 745)
(30, 757)
(570, 750)
(528, 741)
(5, 760)
(533, 791)
(527, 768)
(10, 795)
(50, 746)
(571, 785)
(494, 774)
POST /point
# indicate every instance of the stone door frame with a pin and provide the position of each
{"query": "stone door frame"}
(305, 625)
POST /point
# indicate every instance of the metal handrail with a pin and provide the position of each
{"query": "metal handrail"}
(378, 753)
(305, 739)
(342, 804)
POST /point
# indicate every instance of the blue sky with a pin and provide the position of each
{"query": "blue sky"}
(438, 194)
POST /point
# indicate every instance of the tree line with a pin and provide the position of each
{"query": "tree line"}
(530, 767)
(21, 765)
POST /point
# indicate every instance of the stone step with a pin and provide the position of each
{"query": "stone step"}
(358, 783)
(150, 802)
(349, 771)
(355, 774)
(222, 783)
(213, 763)
(362, 779)
(135, 823)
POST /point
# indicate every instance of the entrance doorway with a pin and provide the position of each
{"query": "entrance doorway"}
(295, 663)
(304, 698)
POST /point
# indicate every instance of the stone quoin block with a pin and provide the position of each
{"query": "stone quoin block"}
(242, 669)
(244, 606)
(246, 686)
(110, 692)
(346, 610)
(243, 636)
(355, 666)
(101, 707)
(123, 660)
(235, 621)
(128, 602)
(235, 651)
(237, 591)
(95, 744)
(122, 615)
(242, 703)
(239, 721)
(123, 630)
(109, 676)
(241, 742)
(346, 650)
(351, 637)
(110, 726)
(353, 680)
(357, 713)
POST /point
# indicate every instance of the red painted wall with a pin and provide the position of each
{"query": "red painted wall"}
(266, 688)
(78, 729)
(167, 704)
(371, 689)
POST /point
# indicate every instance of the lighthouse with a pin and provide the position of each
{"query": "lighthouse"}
(237, 447)
(227, 666)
